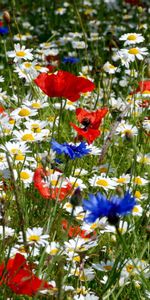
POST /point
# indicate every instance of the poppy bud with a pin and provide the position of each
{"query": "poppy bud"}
(76, 197)
(6, 16)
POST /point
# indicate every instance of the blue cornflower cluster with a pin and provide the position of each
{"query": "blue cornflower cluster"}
(4, 30)
(99, 206)
(70, 59)
(71, 150)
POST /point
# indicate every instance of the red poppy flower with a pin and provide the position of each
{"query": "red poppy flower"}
(91, 122)
(91, 119)
(18, 276)
(73, 231)
(134, 2)
(64, 84)
(48, 192)
(143, 86)
(89, 134)
(1, 109)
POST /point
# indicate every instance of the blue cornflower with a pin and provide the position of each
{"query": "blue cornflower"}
(4, 30)
(71, 150)
(99, 206)
(70, 59)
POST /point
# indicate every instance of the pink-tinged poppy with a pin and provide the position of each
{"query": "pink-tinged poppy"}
(63, 84)
(18, 276)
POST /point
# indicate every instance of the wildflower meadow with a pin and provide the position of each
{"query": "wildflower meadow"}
(74, 149)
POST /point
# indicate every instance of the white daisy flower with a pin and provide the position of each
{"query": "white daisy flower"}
(146, 125)
(139, 180)
(53, 248)
(129, 55)
(78, 45)
(23, 112)
(137, 210)
(8, 232)
(132, 38)
(109, 68)
(20, 52)
(35, 237)
(144, 158)
(126, 130)
(102, 181)
(76, 182)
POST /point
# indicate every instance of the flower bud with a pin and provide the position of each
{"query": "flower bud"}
(6, 16)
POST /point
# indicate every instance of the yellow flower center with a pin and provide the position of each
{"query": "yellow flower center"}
(146, 92)
(144, 160)
(133, 51)
(76, 258)
(20, 53)
(129, 268)
(22, 249)
(53, 251)
(28, 137)
(68, 205)
(37, 67)
(93, 226)
(24, 112)
(138, 181)
(121, 180)
(112, 67)
(1, 158)
(137, 194)
(102, 182)
(11, 121)
(36, 105)
(19, 157)
(34, 238)
(131, 37)
(24, 175)
(36, 128)
(27, 65)
(135, 209)
(54, 182)
(107, 268)
(103, 170)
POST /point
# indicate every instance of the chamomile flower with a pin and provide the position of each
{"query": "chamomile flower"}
(104, 266)
(102, 181)
(78, 45)
(132, 268)
(137, 210)
(53, 248)
(109, 68)
(143, 158)
(146, 125)
(36, 103)
(27, 136)
(123, 179)
(20, 52)
(76, 182)
(139, 181)
(126, 130)
(8, 232)
(129, 55)
(25, 176)
(60, 11)
(132, 38)
(23, 112)
(35, 237)
(37, 126)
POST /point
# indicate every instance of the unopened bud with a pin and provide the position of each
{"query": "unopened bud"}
(6, 16)
(140, 9)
